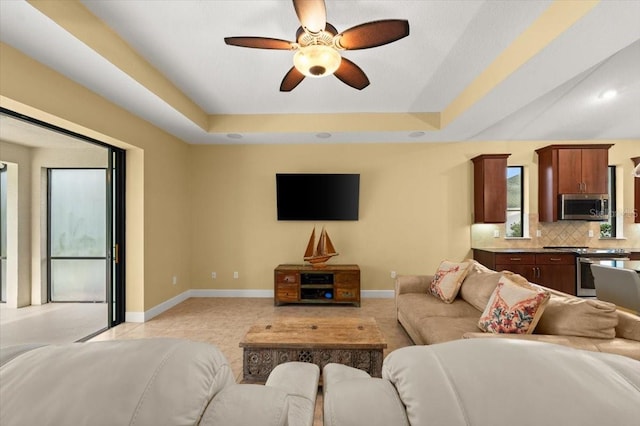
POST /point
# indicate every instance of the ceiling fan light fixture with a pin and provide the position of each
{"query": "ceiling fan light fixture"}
(317, 60)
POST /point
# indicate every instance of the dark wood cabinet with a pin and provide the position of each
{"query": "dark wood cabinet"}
(552, 270)
(570, 169)
(582, 171)
(335, 284)
(520, 263)
(557, 271)
(490, 188)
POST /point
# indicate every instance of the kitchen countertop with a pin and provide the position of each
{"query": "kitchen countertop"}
(524, 250)
(543, 250)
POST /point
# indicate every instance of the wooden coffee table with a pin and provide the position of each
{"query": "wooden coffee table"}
(356, 342)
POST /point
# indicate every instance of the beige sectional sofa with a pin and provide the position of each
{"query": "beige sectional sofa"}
(496, 382)
(147, 382)
(567, 320)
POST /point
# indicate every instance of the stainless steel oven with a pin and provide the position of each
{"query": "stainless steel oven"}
(584, 276)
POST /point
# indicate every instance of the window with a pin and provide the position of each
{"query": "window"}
(515, 197)
(608, 228)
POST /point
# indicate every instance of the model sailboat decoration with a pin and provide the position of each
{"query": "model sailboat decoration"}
(319, 254)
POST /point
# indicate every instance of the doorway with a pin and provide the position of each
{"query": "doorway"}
(82, 229)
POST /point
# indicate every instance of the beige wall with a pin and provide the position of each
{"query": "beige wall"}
(415, 206)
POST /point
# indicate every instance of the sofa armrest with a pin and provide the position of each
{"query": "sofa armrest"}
(352, 397)
(299, 380)
(247, 404)
(413, 283)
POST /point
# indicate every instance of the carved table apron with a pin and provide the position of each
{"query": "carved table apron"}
(356, 342)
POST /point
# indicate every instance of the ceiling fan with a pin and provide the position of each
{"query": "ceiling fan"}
(318, 45)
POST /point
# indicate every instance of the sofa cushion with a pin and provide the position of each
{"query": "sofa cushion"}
(478, 285)
(448, 279)
(443, 329)
(571, 316)
(416, 306)
(514, 307)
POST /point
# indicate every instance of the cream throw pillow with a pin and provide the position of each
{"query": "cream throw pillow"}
(448, 279)
(514, 307)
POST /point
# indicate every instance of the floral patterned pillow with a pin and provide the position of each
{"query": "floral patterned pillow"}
(448, 279)
(514, 307)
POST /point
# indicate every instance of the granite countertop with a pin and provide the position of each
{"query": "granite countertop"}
(522, 250)
(542, 250)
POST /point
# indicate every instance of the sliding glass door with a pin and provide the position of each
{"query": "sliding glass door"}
(86, 235)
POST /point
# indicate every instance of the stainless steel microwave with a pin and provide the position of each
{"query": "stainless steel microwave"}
(584, 206)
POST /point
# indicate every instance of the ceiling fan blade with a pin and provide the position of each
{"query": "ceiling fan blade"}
(351, 74)
(259, 43)
(373, 34)
(291, 80)
(312, 14)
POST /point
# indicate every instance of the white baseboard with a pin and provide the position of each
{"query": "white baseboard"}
(377, 294)
(231, 293)
(164, 306)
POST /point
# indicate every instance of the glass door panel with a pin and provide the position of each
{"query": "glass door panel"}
(78, 235)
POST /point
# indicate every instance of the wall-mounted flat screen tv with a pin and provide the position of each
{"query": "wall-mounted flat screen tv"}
(306, 196)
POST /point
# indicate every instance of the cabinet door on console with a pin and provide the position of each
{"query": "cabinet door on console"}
(347, 286)
(287, 286)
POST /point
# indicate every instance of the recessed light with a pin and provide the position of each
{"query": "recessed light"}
(416, 134)
(234, 135)
(323, 135)
(608, 94)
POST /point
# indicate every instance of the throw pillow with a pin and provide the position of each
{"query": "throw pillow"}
(448, 279)
(514, 307)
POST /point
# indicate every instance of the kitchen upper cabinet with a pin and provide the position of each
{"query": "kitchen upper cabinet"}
(570, 169)
(582, 171)
(490, 188)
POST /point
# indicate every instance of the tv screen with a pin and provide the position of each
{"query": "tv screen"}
(304, 196)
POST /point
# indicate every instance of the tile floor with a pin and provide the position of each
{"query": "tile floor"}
(51, 323)
(224, 321)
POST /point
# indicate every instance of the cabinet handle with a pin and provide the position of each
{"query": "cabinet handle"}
(515, 259)
(555, 259)
(538, 269)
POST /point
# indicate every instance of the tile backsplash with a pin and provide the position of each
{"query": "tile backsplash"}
(561, 233)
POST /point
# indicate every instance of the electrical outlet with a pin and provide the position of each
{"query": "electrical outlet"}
(590, 233)
(496, 233)
(393, 274)
(214, 275)
(235, 275)
(538, 233)
(174, 280)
